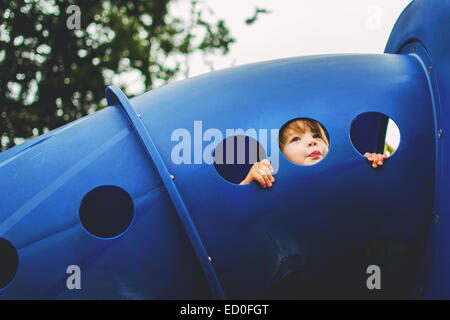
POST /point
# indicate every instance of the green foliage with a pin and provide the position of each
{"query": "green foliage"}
(258, 11)
(51, 75)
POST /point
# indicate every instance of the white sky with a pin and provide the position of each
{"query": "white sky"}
(293, 28)
(302, 27)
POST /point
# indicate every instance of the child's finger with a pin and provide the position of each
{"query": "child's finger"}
(253, 168)
(269, 174)
(374, 165)
(379, 158)
(266, 179)
(261, 180)
(263, 171)
(267, 171)
(368, 156)
(267, 164)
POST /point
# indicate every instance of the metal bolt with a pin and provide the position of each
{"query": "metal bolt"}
(436, 219)
(172, 177)
(139, 115)
(209, 258)
(439, 133)
(430, 70)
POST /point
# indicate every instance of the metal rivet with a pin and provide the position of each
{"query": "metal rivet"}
(172, 177)
(139, 115)
(439, 133)
(430, 69)
(209, 258)
(436, 219)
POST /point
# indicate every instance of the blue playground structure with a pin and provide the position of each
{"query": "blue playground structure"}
(103, 193)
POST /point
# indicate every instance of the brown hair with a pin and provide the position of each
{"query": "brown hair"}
(299, 125)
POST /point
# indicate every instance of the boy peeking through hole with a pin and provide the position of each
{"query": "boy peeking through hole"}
(304, 142)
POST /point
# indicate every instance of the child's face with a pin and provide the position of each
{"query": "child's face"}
(305, 149)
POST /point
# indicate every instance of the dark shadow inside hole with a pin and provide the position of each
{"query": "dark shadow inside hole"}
(374, 132)
(9, 262)
(106, 211)
(235, 155)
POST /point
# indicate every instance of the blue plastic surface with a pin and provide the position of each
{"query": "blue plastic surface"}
(425, 24)
(313, 234)
(116, 96)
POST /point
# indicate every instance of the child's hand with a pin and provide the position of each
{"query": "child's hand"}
(261, 172)
(376, 158)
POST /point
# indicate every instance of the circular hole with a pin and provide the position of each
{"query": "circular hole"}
(374, 132)
(106, 211)
(235, 155)
(304, 141)
(9, 262)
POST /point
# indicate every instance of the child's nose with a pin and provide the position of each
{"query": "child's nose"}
(312, 143)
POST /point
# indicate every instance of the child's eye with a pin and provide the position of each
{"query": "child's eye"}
(295, 139)
(317, 135)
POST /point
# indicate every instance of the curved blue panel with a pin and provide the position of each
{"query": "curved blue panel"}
(424, 24)
(115, 95)
(312, 234)
(325, 217)
(44, 185)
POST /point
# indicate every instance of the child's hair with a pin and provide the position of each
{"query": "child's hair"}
(298, 125)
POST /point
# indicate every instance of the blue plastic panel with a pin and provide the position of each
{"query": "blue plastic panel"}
(312, 234)
(325, 217)
(44, 184)
(425, 23)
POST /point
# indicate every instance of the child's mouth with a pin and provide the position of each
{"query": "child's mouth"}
(315, 154)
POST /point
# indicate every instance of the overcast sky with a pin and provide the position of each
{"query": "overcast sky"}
(302, 27)
(293, 28)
